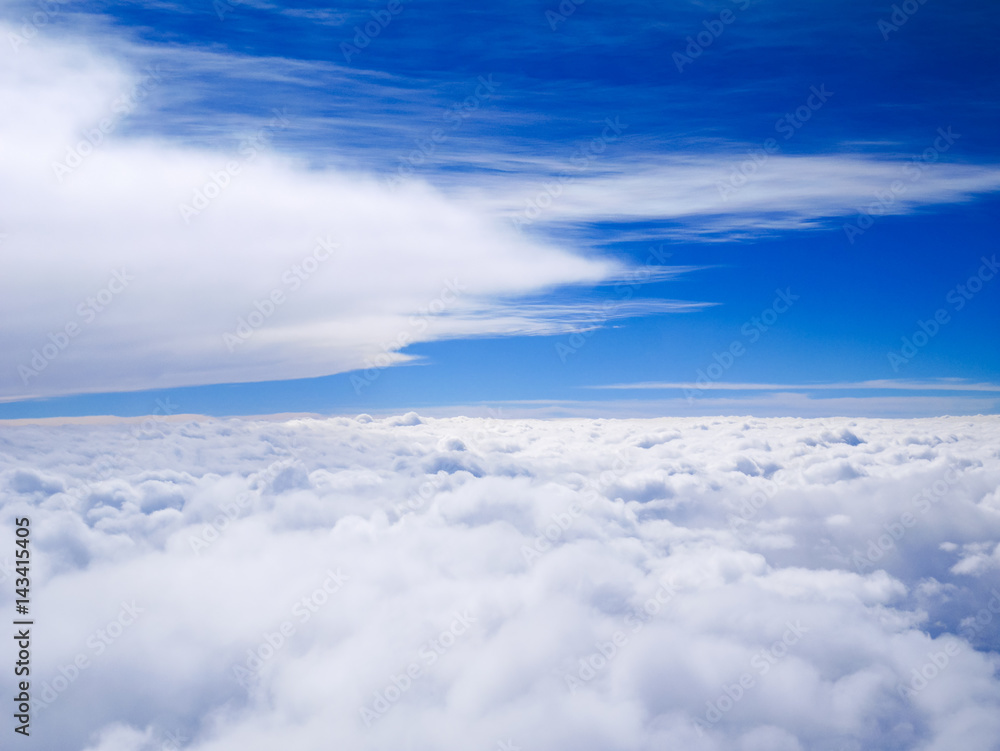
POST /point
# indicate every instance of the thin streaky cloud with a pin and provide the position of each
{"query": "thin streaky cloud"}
(891, 385)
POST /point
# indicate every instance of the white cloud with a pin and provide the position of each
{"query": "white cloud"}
(458, 266)
(788, 192)
(781, 583)
(940, 384)
(105, 249)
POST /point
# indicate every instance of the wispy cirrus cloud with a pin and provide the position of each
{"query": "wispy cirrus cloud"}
(788, 192)
(940, 384)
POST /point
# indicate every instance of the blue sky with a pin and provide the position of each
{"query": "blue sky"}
(613, 216)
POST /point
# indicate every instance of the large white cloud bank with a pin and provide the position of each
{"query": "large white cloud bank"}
(415, 583)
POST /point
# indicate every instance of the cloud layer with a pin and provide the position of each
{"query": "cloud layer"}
(199, 253)
(483, 583)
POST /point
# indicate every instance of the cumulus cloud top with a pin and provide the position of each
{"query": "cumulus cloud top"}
(413, 582)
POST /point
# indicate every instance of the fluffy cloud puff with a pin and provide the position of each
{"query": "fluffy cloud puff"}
(459, 583)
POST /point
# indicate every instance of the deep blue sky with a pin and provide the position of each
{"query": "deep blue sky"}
(556, 88)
